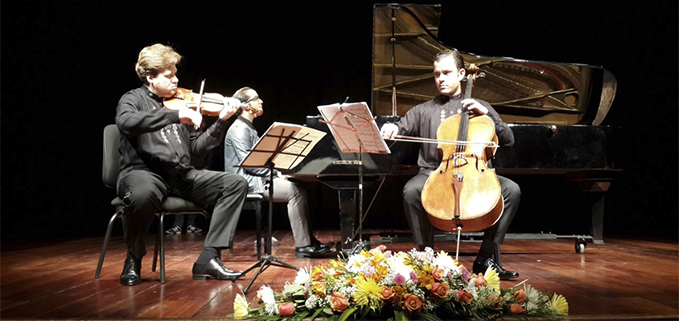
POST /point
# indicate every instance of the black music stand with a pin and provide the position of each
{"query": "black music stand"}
(283, 146)
(355, 131)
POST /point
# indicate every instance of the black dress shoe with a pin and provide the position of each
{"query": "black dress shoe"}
(481, 266)
(318, 244)
(311, 251)
(130, 275)
(214, 269)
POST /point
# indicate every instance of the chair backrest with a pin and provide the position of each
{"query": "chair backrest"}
(110, 166)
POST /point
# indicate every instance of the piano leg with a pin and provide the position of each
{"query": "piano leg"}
(597, 190)
(598, 218)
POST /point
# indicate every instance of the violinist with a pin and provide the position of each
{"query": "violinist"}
(423, 120)
(156, 146)
(240, 139)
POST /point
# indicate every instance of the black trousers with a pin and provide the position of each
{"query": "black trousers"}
(423, 231)
(144, 192)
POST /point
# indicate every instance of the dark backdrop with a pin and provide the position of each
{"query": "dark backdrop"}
(65, 64)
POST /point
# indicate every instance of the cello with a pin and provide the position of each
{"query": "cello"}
(463, 194)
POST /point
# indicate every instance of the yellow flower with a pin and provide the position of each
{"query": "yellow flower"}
(368, 293)
(240, 306)
(425, 279)
(560, 304)
(492, 279)
(318, 288)
(317, 273)
(336, 264)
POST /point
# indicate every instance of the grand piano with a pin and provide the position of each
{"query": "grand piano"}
(554, 109)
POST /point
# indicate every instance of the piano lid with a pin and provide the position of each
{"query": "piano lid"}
(522, 91)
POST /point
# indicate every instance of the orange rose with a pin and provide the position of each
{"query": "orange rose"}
(440, 290)
(520, 295)
(480, 280)
(338, 303)
(438, 273)
(286, 309)
(465, 297)
(494, 299)
(387, 294)
(413, 303)
(516, 308)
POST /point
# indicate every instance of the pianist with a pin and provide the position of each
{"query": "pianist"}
(239, 140)
(423, 120)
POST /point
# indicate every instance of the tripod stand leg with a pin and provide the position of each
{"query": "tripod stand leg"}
(267, 258)
(264, 262)
(283, 264)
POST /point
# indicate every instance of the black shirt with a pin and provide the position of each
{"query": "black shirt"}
(153, 138)
(424, 120)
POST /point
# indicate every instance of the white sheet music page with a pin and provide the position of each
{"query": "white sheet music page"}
(293, 142)
(352, 124)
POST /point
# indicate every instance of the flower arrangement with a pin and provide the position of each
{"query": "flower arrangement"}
(379, 284)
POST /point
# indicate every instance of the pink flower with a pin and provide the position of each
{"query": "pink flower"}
(399, 279)
(413, 276)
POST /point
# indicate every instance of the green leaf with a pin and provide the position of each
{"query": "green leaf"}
(428, 317)
(313, 316)
(399, 316)
(346, 314)
(302, 315)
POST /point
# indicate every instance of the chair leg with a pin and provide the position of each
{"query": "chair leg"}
(258, 227)
(161, 237)
(155, 253)
(106, 239)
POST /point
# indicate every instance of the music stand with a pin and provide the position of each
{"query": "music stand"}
(354, 129)
(283, 146)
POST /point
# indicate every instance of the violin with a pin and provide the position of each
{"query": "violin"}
(463, 194)
(209, 104)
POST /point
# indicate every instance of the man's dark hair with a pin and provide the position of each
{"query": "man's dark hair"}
(459, 61)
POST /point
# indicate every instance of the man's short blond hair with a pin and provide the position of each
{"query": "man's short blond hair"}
(155, 58)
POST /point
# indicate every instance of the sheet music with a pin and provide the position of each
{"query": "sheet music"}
(352, 124)
(301, 140)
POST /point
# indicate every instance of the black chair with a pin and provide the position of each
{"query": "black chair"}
(171, 205)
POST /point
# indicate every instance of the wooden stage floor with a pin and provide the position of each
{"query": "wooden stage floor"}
(623, 279)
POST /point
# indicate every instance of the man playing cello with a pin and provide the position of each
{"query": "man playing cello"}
(423, 120)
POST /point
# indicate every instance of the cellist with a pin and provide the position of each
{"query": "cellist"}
(423, 120)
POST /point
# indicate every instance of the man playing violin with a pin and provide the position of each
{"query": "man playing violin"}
(423, 120)
(156, 146)
(240, 139)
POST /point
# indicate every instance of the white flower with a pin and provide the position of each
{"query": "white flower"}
(240, 306)
(532, 297)
(446, 262)
(471, 288)
(266, 294)
(303, 276)
(314, 301)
